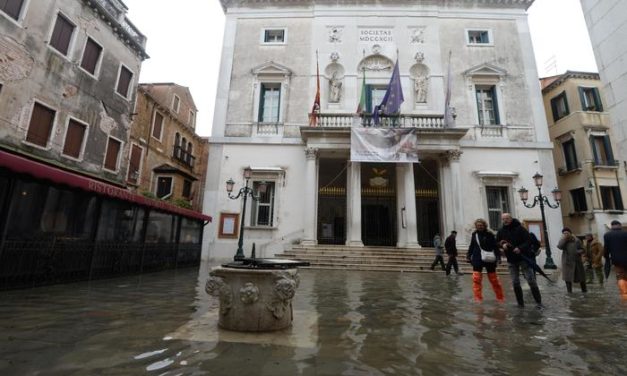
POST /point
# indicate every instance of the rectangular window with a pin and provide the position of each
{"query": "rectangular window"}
(611, 198)
(157, 126)
(124, 81)
(164, 186)
(590, 99)
(40, 127)
(91, 56)
(498, 203)
(187, 189)
(269, 102)
(570, 155)
(274, 36)
(602, 151)
(479, 37)
(579, 200)
(191, 118)
(62, 34)
(74, 139)
(487, 106)
(263, 209)
(559, 106)
(176, 104)
(112, 154)
(134, 164)
(12, 8)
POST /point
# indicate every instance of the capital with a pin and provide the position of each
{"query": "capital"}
(454, 155)
(311, 153)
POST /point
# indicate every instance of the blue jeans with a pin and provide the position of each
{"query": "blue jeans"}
(514, 272)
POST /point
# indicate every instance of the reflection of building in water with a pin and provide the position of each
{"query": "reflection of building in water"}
(470, 168)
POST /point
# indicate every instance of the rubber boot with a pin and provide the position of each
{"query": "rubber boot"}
(535, 291)
(496, 286)
(622, 286)
(519, 296)
(476, 286)
(569, 287)
(584, 288)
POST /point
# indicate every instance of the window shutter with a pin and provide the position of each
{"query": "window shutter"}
(134, 163)
(554, 109)
(40, 125)
(12, 7)
(597, 100)
(61, 34)
(91, 56)
(158, 126)
(595, 152)
(111, 157)
(608, 149)
(74, 139)
(262, 94)
(566, 104)
(495, 105)
(618, 200)
(124, 81)
(582, 98)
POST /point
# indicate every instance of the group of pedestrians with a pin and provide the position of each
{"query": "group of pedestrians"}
(580, 261)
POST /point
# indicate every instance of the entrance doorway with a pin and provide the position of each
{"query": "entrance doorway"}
(378, 204)
(332, 201)
(426, 181)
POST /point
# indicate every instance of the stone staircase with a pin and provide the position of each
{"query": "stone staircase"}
(373, 258)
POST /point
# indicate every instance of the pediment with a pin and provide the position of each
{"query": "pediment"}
(271, 68)
(485, 70)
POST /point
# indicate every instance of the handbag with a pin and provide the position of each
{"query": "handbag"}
(486, 256)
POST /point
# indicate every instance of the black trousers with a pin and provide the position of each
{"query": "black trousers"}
(438, 260)
(452, 261)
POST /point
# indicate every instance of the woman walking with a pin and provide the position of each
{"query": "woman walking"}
(484, 242)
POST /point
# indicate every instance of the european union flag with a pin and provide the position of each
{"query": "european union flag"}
(393, 98)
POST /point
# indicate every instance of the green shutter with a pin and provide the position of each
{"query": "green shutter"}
(582, 98)
(495, 105)
(595, 152)
(608, 150)
(262, 93)
(597, 100)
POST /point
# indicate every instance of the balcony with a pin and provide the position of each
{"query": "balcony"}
(184, 157)
(116, 12)
(565, 170)
(344, 120)
(611, 164)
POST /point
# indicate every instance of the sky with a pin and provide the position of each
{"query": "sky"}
(185, 44)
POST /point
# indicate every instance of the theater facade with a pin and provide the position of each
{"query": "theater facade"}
(470, 100)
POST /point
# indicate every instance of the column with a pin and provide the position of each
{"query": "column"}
(353, 235)
(410, 207)
(311, 195)
(401, 216)
(457, 195)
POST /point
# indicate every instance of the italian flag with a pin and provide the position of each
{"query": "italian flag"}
(361, 106)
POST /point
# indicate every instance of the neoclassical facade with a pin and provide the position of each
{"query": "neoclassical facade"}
(478, 51)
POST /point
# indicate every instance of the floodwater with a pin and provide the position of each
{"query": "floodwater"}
(347, 323)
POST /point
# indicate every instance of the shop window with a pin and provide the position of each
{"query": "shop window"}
(160, 228)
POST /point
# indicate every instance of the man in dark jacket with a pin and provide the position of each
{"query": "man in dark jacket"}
(450, 246)
(513, 240)
(616, 252)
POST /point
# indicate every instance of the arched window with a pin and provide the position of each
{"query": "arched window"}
(189, 152)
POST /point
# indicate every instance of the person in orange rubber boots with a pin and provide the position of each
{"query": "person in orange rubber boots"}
(483, 253)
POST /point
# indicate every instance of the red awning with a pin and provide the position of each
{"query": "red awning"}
(40, 170)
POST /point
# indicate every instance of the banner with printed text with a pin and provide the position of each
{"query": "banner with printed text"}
(396, 145)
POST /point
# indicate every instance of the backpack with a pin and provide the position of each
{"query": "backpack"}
(535, 244)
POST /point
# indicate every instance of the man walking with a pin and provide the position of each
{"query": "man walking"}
(514, 241)
(616, 252)
(450, 246)
(437, 244)
(593, 258)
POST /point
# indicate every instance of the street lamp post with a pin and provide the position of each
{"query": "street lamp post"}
(245, 192)
(542, 200)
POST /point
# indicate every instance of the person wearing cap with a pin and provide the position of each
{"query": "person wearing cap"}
(572, 265)
(450, 245)
(616, 252)
(593, 259)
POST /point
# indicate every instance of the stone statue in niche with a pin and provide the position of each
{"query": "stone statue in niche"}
(421, 88)
(335, 89)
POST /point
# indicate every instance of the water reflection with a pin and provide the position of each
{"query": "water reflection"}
(349, 323)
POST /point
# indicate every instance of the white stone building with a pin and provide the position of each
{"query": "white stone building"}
(316, 195)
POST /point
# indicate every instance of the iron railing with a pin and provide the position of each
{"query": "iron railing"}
(184, 156)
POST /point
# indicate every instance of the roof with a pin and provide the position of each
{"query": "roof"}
(551, 82)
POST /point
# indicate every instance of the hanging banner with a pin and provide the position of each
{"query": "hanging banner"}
(396, 145)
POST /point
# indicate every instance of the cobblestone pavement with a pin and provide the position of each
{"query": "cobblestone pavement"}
(346, 323)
